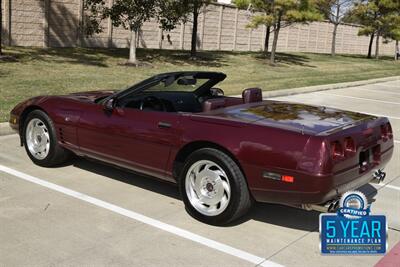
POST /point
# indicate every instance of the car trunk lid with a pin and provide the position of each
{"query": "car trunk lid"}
(313, 120)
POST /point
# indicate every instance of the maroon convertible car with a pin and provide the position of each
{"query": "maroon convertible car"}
(223, 152)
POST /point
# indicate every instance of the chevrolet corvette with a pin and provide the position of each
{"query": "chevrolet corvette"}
(223, 152)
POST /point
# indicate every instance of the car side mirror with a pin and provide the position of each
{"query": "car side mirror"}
(217, 92)
(109, 104)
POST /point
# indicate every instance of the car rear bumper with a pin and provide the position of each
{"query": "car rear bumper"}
(315, 189)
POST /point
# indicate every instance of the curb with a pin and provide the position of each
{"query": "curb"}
(310, 89)
(6, 130)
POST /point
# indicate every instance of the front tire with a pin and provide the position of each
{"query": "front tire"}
(213, 187)
(40, 140)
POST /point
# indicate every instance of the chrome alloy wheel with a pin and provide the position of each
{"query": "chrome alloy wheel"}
(207, 188)
(37, 138)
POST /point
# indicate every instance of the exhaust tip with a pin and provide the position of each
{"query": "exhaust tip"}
(379, 175)
(336, 205)
(333, 205)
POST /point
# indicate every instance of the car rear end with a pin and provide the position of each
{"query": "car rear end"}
(350, 157)
(301, 155)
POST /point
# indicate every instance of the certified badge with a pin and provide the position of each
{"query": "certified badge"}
(353, 230)
(353, 205)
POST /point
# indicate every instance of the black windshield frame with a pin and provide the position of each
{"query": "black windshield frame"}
(214, 78)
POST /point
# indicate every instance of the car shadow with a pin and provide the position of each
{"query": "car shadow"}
(281, 215)
(128, 177)
(291, 217)
(275, 214)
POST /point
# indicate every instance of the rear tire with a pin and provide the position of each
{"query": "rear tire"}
(40, 140)
(213, 187)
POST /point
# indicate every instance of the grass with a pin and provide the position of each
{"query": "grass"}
(60, 71)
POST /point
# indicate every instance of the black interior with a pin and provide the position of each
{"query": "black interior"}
(171, 92)
(165, 101)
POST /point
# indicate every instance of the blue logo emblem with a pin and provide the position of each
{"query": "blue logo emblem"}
(353, 230)
(353, 205)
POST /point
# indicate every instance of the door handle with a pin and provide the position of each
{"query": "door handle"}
(164, 125)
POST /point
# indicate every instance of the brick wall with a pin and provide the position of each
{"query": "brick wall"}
(55, 23)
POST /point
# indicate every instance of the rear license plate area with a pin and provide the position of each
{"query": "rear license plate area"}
(369, 157)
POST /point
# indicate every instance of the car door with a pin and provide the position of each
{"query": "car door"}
(137, 139)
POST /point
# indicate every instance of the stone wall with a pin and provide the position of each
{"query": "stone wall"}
(55, 23)
(23, 22)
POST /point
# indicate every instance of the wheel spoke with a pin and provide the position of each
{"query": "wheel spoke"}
(227, 188)
(208, 166)
(199, 169)
(213, 208)
(192, 177)
(224, 202)
(220, 173)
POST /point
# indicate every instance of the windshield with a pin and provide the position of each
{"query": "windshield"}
(178, 83)
(184, 82)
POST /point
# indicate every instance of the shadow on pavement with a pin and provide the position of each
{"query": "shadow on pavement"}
(275, 214)
(135, 179)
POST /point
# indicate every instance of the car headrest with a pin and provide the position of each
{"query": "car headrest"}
(252, 95)
(213, 103)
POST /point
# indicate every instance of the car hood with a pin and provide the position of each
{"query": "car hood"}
(90, 95)
(292, 116)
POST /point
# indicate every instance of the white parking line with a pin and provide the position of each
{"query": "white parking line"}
(144, 219)
(390, 186)
(360, 98)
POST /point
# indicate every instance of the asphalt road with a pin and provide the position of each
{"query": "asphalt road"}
(86, 213)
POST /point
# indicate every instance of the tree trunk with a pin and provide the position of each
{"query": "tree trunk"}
(336, 22)
(333, 48)
(194, 32)
(371, 41)
(377, 46)
(397, 52)
(277, 27)
(1, 26)
(132, 48)
(266, 43)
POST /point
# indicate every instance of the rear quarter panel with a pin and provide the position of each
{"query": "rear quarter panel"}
(306, 157)
(256, 148)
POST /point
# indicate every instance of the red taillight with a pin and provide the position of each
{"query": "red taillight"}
(287, 178)
(349, 146)
(337, 150)
(389, 130)
(386, 131)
